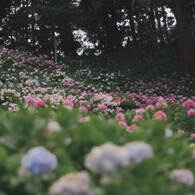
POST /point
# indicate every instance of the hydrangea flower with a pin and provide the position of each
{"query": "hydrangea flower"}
(72, 184)
(161, 105)
(192, 136)
(39, 160)
(68, 103)
(84, 119)
(30, 101)
(150, 107)
(189, 104)
(137, 118)
(160, 115)
(83, 110)
(138, 151)
(53, 126)
(191, 112)
(120, 117)
(39, 103)
(106, 159)
(102, 107)
(123, 124)
(184, 176)
(132, 127)
(140, 111)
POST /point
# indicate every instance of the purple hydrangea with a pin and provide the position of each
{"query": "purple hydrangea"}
(39, 160)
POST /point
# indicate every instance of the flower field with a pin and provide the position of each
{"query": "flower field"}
(72, 129)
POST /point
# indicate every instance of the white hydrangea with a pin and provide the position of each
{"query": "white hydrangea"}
(106, 159)
(138, 151)
(72, 184)
(53, 126)
(184, 176)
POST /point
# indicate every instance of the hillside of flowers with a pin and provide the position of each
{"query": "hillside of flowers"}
(74, 129)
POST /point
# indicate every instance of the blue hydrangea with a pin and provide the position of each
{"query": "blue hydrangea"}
(39, 160)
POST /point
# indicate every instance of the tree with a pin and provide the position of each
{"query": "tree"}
(182, 10)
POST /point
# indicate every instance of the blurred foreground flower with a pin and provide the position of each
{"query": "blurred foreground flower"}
(83, 110)
(106, 159)
(132, 127)
(39, 160)
(53, 126)
(184, 176)
(84, 119)
(72, 184)
(138, 151)
(120, 117)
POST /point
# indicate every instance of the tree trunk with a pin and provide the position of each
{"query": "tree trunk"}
(132, 23)
(54, 41)
(181, 11)
(159, 25)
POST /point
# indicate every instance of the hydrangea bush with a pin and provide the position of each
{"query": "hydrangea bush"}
(74, 131)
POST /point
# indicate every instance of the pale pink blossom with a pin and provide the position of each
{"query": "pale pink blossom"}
(132, 127)
(150, 107)
(140, 111)
(137, 118)
(68, 102)
(102, 107)
(83, 110)
(161, 105)
(85, 119)
(160, 115)
(123, 124)
(120, 117)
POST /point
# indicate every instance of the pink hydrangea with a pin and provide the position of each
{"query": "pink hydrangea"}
(83, 110)
(191, 112)
(85, 119)
(30, 101)
(120, 117)
(39, 103)
(160, 115)
(192, 136)
(137, 118)
(161, 105)
(140, 111)
(102, 107)
(123, 124)
(150, 107)
(189, 104)
(161, 99)
(68, 102)
(132, 127)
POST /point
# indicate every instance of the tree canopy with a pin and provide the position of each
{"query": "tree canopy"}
(48, 26)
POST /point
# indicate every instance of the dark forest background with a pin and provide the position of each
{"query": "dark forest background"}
(132, 29)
